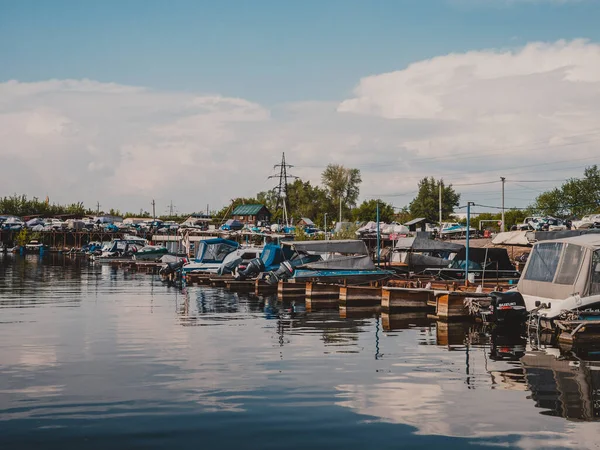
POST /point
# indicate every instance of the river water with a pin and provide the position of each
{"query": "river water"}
(97, 357)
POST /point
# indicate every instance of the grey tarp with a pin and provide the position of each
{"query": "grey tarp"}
(512, 238)
(426, 245)
(343, 263)
(339, 246)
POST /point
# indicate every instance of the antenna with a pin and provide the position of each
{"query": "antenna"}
(281, 188)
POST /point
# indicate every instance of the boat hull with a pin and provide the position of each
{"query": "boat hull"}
(342, 277)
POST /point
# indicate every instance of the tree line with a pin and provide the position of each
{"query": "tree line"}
(341, 186)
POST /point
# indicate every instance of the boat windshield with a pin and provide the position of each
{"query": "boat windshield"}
(460, 264)
(215, 252)
(595, 278)
(543, 262)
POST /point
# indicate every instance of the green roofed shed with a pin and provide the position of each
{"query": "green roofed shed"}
(251, 213)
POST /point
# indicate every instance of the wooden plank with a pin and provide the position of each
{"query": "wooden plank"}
(406, 298)
(322, 291)
(360, 296)
(286, 289)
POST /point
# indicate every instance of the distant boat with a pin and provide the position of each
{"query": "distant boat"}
(451, 229)
(150, 253)
(121, 249)
(34, 246)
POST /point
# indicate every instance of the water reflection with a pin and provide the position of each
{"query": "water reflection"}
(135, 348)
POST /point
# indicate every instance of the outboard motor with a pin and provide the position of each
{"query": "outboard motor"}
(171, 268)
(285, 272)
(229, 267)
(253, 268)
(507, 308)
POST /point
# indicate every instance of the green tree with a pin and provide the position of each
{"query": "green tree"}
(310, 201)
(342, 184)
(367, 210)
(426, 203)
(576, 197)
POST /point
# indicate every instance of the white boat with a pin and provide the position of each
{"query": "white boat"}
(214, 255)
(591, 221)
(121, 248)
(455, 229)
(562, 275)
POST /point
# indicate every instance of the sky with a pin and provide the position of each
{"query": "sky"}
(193, 102)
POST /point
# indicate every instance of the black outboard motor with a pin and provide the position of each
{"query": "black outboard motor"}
(507, 308)
(228, 268)
(284, 272)
(171, 268)
(253, 268)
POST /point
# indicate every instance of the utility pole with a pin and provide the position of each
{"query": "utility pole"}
(153, 210)
(440, 202)
(171, 209)
(503, 181)
(281, 187)
(340, 209)
(97, 208)
(325, 226)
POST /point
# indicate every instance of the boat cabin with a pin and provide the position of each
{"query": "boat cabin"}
(563, 273)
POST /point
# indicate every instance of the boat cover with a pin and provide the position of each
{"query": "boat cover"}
(417, 244)
(273, 255)
(482, 256)
(215, 250)
(353, 246)
(358, 262)
(512, 238)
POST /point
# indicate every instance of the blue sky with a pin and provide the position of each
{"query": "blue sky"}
(266, 50)
(122, 97)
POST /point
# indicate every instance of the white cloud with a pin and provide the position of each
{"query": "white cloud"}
(467, 117)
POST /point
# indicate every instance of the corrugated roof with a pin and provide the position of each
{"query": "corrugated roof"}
(247, 210)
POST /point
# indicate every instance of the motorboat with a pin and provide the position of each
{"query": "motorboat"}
(34, 246)
(239, 259)
(454, 229)
(270, 259)
(562, 275)
(591, 221)
(150, 253)
(484, 264)
(334, 261)
(415, 254)
(119, 249)
(210, 255)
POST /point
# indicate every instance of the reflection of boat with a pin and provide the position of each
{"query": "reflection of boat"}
(484, 263)
(415, 254)
(563, 387)
(562, 274)
(339, 261)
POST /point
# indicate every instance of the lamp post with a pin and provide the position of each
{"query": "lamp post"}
(378, 237)
(467, 246)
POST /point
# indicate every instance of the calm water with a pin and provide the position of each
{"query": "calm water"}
(95, 357)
